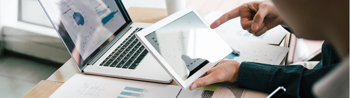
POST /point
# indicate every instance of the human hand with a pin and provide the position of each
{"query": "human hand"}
(256, 17)
(224, 71)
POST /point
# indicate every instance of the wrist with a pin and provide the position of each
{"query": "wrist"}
(235, 75)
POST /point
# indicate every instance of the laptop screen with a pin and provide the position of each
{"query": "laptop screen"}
(86, 26)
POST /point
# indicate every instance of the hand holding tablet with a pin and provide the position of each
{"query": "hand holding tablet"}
(184, 45)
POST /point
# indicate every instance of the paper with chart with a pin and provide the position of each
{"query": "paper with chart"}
(89, 23)
(226, 90)
(232, 29)
(88, 86)
(257, 52)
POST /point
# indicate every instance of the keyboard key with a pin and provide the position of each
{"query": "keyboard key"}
(133, 57)
(127, 50)
(118, 59)
(114, 64)
(119, 65)
(137, 60)
(133, 49)
(113, 57)
(103, 62)
(144, 53)
(135, 64)
(108, 62)
(128, 55)
(132, 67)
(122, 54)
(126, 65)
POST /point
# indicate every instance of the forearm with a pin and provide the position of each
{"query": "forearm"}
(265, 78)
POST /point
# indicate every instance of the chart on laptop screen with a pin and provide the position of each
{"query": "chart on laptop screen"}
(90, 22)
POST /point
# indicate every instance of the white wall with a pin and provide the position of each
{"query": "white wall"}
(29, 39)
(39, 41)
(1, 38)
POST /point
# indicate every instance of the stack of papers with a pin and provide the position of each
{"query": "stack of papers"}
(232, 29)
(252, 48)
(88, 86)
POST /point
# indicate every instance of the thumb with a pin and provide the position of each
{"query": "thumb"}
(206, 80)
(259, 17)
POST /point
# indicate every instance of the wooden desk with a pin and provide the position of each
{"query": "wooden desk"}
(43, 89)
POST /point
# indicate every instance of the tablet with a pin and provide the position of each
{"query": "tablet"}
(184, 45)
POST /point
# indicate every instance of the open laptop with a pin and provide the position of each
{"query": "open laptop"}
(99, 35)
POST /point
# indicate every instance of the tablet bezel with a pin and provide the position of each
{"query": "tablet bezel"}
(142, 37)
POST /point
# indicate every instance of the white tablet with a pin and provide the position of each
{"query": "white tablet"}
(184, 45)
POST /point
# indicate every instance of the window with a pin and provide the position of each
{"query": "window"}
(30, 11)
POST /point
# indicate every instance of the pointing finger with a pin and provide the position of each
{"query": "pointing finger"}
(227, 16)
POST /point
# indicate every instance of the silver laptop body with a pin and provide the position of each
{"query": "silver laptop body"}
(99, 35)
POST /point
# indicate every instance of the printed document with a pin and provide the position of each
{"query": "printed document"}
(88, 86)
(257, 52)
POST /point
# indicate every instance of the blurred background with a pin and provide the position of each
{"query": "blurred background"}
(31, 50)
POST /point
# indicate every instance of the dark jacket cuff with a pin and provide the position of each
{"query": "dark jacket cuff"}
(253, 75)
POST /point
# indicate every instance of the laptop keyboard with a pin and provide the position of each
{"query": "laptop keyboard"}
(128, 54)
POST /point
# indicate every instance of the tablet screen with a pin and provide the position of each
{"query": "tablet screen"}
(187, 45)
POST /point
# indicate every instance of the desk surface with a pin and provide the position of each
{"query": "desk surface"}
(44, 89)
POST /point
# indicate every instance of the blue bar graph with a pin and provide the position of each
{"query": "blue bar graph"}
(130, 94)
(262, 36)
(134, 89)
(247, 34)
(108, 17)
(232, 56)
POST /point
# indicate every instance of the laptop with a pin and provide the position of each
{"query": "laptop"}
(99, 35)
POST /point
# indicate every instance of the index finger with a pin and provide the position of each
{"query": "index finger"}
(227, 16)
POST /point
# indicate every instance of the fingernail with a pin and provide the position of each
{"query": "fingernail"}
(194, 86)
(255, 26)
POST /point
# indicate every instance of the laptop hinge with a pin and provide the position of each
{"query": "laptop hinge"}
(104, 50)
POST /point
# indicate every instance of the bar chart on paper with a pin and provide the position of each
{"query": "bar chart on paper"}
(245, 33)
(86, 86)
(132, 92)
